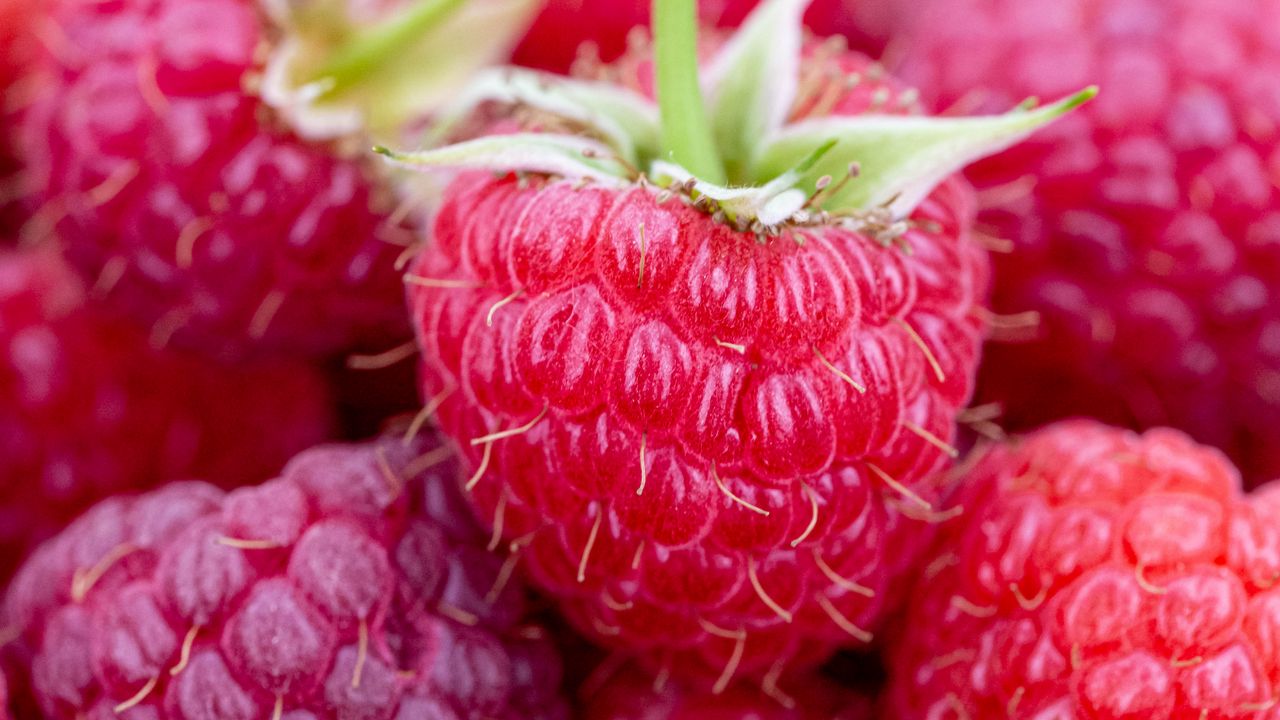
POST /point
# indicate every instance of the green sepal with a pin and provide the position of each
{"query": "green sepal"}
(752, 82)
(900, 159)
(563, 155)
(622, 118)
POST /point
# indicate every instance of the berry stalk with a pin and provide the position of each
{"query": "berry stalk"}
(686, 131)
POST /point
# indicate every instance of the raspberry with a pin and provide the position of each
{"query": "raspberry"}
(1097, 574)
(703, 439)
(88, 409)
(632, 695)
(356, 585)
(1149, 243)
(174, 187)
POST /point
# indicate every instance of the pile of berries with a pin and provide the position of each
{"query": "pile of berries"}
(541, 360)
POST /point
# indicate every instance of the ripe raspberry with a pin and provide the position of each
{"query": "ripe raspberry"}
(562, 27)
(703, 436)
(1149, 241)
(174, 187)
(1097, 574)
(354, 586)
(632, 695)
(88, 409)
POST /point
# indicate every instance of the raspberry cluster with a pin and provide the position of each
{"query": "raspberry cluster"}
(1100, 574)
(354, 586)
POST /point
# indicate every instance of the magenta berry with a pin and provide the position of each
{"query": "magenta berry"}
(355, 585)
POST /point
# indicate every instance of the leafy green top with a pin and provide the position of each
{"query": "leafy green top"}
(723, 138)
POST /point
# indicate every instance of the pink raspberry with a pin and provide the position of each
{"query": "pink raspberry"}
(704, 441)
(633, 695)
(354, 586)
(1149, 241)
(88, 409)
(1099, 574)
(176, 189)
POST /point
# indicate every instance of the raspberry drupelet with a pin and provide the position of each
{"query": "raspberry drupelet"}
(89, 409)
(217, 219)
(1143, 232)
(356, 585)
(1097, 574)
(707, 414)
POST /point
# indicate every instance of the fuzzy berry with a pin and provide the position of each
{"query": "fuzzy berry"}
(1149, 240)
(704, 441)
(354, 586)
(633, 695)
(88, 409)
(1098, 574)
(173, 187)
(564, 29)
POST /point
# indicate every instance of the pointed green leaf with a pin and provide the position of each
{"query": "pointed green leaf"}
(563, 155)
(900, 159)
(752, 82)
(624, 119)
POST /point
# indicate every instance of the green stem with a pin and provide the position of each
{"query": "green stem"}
(371, 49)
(686, 132)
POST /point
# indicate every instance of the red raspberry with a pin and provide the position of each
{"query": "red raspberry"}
(88, 409)
(1149, 242)
(355, 586)
(174, 187)
(1097, 574)
(663, 409)
(557, 35)
(632, 695)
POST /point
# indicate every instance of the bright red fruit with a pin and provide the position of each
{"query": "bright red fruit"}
(632, 695)
(1097, 574)
(703, 439)
(1149, 239)
(174, 188)
(354, 586)
(88, 409)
